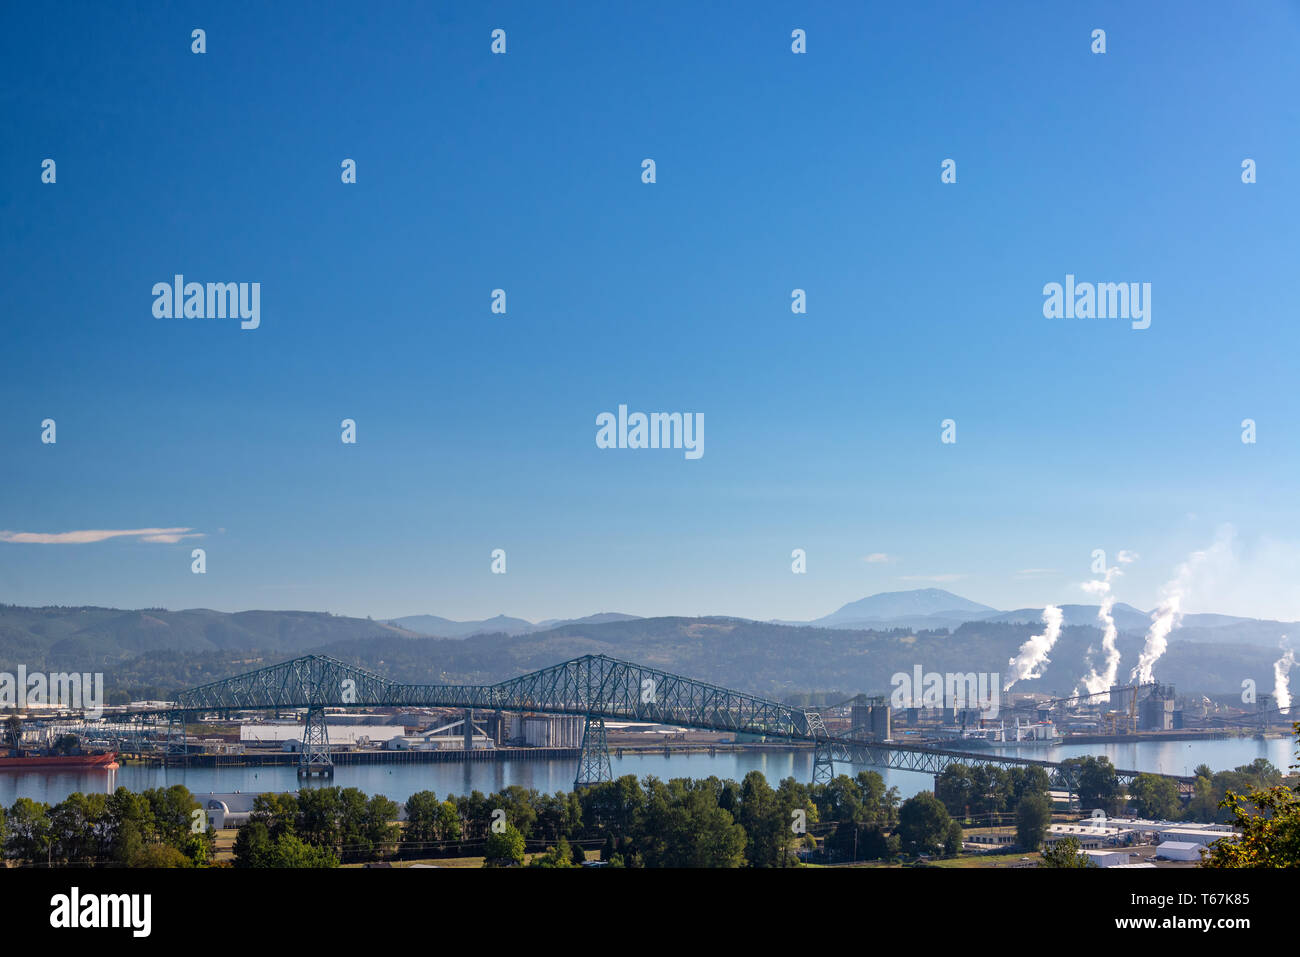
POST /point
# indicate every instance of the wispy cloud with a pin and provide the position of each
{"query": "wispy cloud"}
(930, 578)
(878, 558)
(1036, 572)
(164, 536)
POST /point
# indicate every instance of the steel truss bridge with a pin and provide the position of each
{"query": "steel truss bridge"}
(595, 687)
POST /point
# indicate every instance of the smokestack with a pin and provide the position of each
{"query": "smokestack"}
(1033, 652)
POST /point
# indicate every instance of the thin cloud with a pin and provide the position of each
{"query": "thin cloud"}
(165, 536)
(1036, 572)
(878, 558)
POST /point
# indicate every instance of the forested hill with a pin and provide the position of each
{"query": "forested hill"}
(154, 653)
(67, 635)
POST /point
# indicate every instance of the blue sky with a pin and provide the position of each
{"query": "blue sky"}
(775, 171)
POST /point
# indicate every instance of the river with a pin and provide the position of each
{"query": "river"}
(399, 781)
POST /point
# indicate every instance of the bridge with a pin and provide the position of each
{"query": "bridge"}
(595, 687)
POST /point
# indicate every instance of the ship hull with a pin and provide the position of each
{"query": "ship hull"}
(61, 762)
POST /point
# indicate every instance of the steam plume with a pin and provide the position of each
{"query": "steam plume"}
(1093, 682)
(1281, 683)
(1168, 614)
(1033, 652)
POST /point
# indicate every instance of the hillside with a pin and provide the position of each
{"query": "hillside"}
(153, 653)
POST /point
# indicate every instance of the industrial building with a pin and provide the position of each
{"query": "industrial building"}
(1180, 850)
(872, 717)
(446, 737)
(552, 731)
(290, 733)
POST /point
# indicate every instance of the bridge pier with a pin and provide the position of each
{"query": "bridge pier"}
(593, 762)
(172, 750)
(314, 760)
(823, 762)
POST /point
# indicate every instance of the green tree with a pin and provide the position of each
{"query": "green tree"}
(520, 805)
(381, 829)
(289, 851)
(129, 824)
(1098, 784)
(923, 824)
(715, 840)
(253, 845)
(955, 788)
(864, 811)
(172, 812)
(423, 815)
(761, 817)
(353, 824)
(952, 840)
(578, 855)
(1153, 796)
(1033, 817)
(159, 855)
(795, 804)
(1269, 826)
(316, 819)
(504, 848)
(561, 855)
(1202, 806)
(1065, 853)
(279, 812)
(79, 828)
(29, 831)
(1268, 822)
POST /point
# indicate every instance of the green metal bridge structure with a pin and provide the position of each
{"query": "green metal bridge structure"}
(595, 687)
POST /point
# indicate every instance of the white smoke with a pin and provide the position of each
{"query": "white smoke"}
(1169, 612)
(1281, 683)
(1033, 652)
(1093, 682)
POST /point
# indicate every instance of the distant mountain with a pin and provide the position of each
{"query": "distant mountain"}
(1127, 618)
(151, 653)
(81, 636)
(600, 619)
(925, 609)
(436, 627)
(1199, 628)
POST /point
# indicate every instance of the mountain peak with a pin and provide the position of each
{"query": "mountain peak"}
(897, 604)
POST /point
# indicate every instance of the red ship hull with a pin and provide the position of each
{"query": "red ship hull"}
(61, 762)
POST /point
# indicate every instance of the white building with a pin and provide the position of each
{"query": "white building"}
(1108, 858)
(1180, 850)
(340, 734)
(553, 730)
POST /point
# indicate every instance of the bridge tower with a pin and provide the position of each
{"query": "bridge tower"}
(314, 759)
(175, 746)
(593, 763)
(823, 762)
(823, 750)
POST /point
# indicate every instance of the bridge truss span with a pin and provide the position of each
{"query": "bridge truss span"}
(596, 687)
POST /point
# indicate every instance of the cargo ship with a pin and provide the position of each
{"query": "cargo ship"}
(30, 760)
